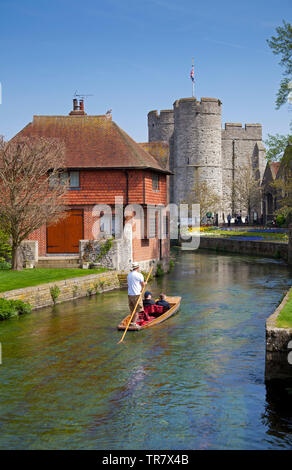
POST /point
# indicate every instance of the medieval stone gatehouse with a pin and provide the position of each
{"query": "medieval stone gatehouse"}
(200, 150)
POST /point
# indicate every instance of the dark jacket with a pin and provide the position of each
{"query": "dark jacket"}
(163, 303)
(148, 302)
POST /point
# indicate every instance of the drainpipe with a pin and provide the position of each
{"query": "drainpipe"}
(127, 188)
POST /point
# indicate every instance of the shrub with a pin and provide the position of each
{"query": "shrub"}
(55, 292)
(5, 247)
(280, 220)
(22, 307)
(105, 248)
(4, 264)
(145, 274)
(171, 265)
(159, 270)
(12, 308)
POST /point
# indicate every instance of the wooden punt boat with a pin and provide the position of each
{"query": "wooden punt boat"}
(174, 307)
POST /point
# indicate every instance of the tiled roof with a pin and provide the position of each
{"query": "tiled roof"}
(92, 142)
(159, 150)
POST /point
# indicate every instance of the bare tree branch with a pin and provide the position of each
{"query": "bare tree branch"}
(28, 200)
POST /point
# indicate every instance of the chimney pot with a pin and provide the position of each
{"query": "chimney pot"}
(75, 104)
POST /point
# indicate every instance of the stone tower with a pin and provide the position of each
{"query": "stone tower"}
(197, 146)
(200, 150)
(193, 130)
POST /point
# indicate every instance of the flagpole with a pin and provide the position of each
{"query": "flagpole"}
(193, 79)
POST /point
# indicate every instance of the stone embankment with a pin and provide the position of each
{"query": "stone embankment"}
(269, 249)
(278, 350)
(74, 288)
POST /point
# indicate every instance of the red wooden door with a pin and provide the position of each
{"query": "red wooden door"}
(64, 236)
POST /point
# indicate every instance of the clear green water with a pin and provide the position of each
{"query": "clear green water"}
(194, 382)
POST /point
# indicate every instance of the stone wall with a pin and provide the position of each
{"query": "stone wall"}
(277, 341)
(241, 147)
(29, 251)
(160, 126)
(39, 296)
(119, 257)
(201, 151)
(197, 146)
(246, 247)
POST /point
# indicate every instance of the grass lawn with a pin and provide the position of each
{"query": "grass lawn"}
(282, 237)
(284, 319)
(10, 280)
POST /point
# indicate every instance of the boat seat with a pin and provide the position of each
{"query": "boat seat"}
(154, 309)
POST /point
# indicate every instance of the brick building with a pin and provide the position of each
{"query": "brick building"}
(102, 162)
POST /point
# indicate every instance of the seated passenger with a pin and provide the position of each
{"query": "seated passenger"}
(162, 301)
(147, 299)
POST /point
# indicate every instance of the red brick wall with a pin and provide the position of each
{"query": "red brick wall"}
(101, 187)
(41, 236)
(98, 187)
(145, 249)
(155, 196)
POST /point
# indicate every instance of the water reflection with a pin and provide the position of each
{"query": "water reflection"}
(278, 413)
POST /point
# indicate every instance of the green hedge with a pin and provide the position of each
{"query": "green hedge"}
(13, 308)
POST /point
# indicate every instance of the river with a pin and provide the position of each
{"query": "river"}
(193, 382)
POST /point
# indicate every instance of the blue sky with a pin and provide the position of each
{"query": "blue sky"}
(135, 56)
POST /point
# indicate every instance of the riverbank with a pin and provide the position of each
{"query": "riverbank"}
(69, 289)
(11, 280)
(278, 339)
(271, 249)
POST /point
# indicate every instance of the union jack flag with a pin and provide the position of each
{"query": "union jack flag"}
(192, 74)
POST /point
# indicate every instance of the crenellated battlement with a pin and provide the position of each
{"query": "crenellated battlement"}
(234, 130)
(205, 106)
(201, 151)
(163, 111)
(160, 125)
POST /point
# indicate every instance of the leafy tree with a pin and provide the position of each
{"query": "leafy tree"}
(276, 145)
(281, 45)
(283, 186)
(31, 191)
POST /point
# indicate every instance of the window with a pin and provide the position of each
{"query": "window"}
(106, 224)
(155, 182)
(63, 177)
(151, 222)
(74, 179)
(117, 228)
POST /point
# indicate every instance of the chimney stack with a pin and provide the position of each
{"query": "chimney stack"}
(78, 109)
